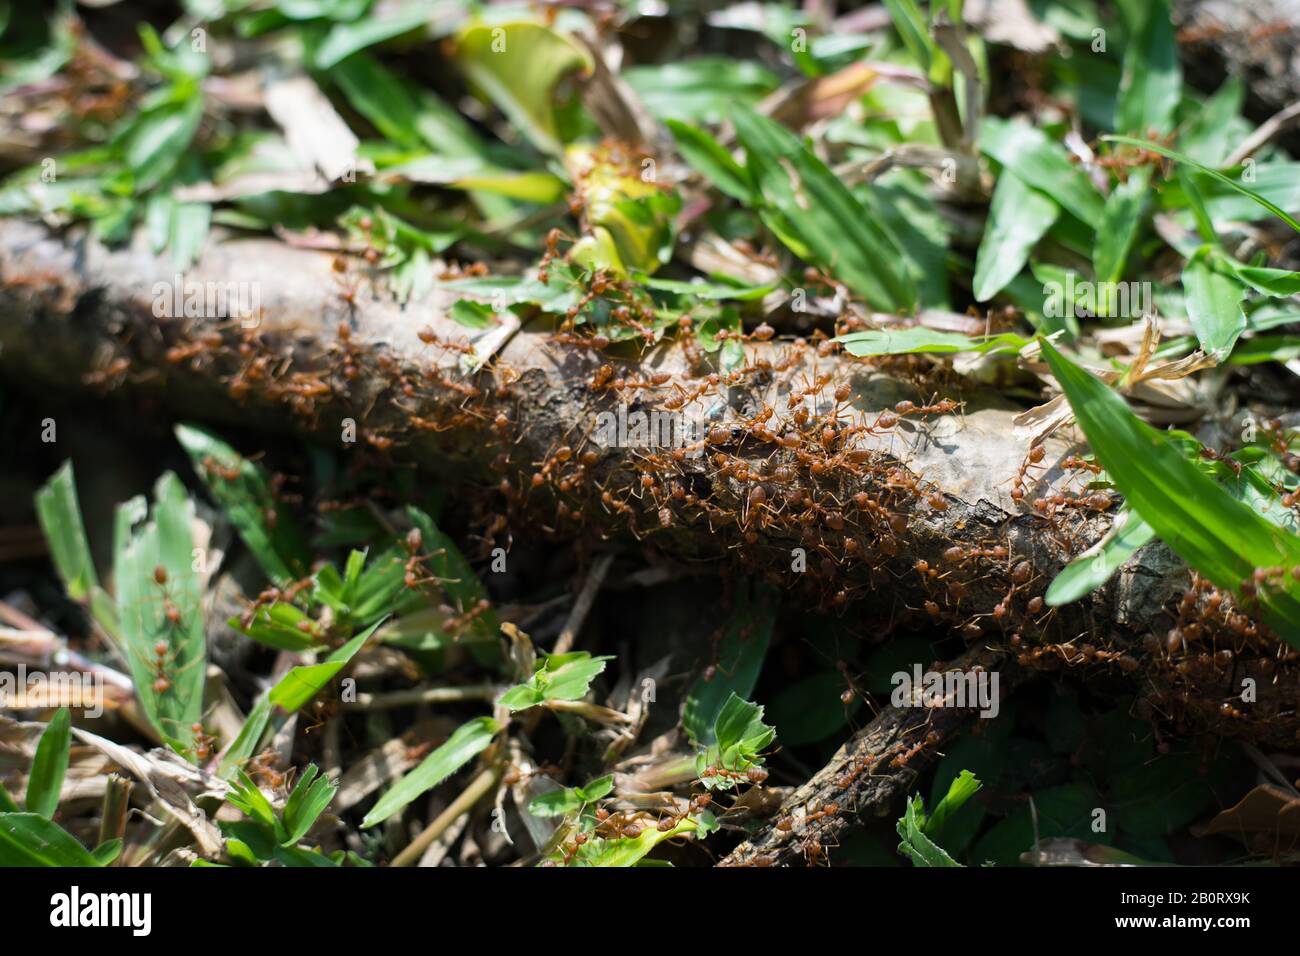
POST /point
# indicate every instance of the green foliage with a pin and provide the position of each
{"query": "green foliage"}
(739, 736)
(570, 800)
(30, 839)
(304, 682)
(50, 765)
(307, 801)
(814, 214)
(1232, 184)
(242, 489)
(1018, 218)
(1044, 165)
(468, 741)
(916, 830)
(740, 657)
(155, 614)
(918, 338)
(557, 677)
(1093, 568)
(1203, 523)
(165, 615)
(517, 66)
(60, 517)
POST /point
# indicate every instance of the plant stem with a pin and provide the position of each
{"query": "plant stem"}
(601, 715)
(479, 788)
(422, 695)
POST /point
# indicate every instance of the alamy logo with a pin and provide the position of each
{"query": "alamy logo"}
(1086, 299)
(974, 688)
(133, 910)
(207, 300)
(26, 690)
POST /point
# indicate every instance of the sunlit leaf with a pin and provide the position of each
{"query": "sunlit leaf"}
(468, 741)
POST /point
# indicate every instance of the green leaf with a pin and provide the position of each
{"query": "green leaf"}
(740, 725)
(1265, 348)
(49, 765)
(1213, 131)
(518, 66)
(468, 741)
(1018, 218)
(739, 736)
(810, 710)
(1213, 305)
(157, 138)
(1152, 83)
(475, 174)
(246, 741)
(108, 851)
(816, 209)
(246, 797)
(959, 791)
(276, 626)
(568, 800)
(59, 513)
(739, 660)
(1119, 225)
(558, 677)
(462, 587)
(918, 338)
(303, 683)
(1204, 222)
(344, 39)
(1213, 174)
(1200, 521)
(246, 499)
(1094, 567)
(187, 231)
(705, 291)
(29, 839)
(698, 90)
(310, 796)
(915, 844)
(910, 24)
(628, 851)
(1044, 164)
(710, 158)
(168, 614)
(473, 315)
(1273, 282)
(1160, 796)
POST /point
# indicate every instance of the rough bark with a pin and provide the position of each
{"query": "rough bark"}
(72, 311)
(867, 775)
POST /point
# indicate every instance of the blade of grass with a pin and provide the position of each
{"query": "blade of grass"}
(820, 213)
(1095, 566)
(1198, 519)
(1018, 217)
(740, 658)
(466, 743)
(303, 683)
(50, 765)
(1212, 173)
(1152, 83)
(59, 514)
(1213, 304)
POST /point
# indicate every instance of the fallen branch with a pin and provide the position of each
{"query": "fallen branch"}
(867, 775)
(834, 496)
